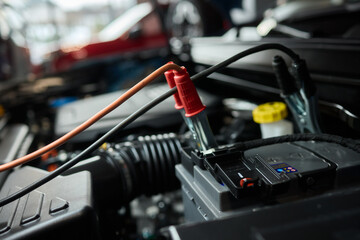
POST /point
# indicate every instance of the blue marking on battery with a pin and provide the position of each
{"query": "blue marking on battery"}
(284, 167)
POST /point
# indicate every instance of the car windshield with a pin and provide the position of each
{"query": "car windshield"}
(121, 25)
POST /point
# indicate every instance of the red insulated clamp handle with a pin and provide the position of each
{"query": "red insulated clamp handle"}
(169, 75)
(188, 94)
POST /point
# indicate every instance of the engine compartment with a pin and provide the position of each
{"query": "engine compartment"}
(266, 146)
(152, 181)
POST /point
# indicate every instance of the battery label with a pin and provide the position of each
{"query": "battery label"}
(284, 167)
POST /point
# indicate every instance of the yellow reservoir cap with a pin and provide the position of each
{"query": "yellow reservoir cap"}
(270, 112)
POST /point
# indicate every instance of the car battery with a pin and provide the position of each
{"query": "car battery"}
(229, 181)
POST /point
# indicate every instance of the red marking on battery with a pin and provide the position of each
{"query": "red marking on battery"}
(244, 181)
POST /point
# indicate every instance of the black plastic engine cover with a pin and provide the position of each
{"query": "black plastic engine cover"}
(60, 209)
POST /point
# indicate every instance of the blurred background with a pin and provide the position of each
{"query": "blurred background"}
(55, 49)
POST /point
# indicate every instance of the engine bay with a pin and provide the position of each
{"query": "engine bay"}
(251, 139)
(151, 182)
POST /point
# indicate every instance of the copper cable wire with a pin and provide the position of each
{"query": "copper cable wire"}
(91, 120)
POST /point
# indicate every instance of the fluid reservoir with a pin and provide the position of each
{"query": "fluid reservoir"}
(271, 117)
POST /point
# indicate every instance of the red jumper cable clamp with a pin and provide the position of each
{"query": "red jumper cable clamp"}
(194, 112)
